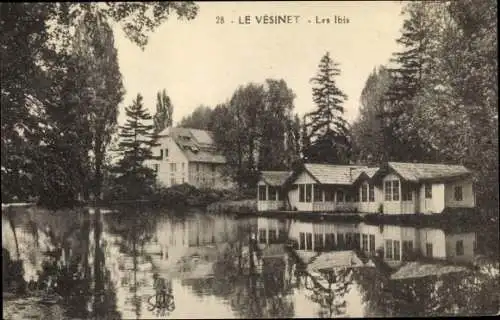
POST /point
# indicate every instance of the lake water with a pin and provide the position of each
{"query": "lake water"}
(82, 264)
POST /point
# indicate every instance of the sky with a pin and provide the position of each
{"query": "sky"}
(203, 62)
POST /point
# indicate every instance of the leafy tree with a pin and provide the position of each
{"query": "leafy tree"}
(256, 130)
(327, 131)
(38, 59)
(24, 33)
(276, 123)
(164, 111)
(370, 138)
(199, 119)
(136, 139)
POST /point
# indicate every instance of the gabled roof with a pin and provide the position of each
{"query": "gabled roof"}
(332, 174)
(275, 178)
(197, 145)
(335, 259)
(417, 172)
(414, 270)
(363, 173)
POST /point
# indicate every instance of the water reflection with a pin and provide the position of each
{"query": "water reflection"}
(135, 263)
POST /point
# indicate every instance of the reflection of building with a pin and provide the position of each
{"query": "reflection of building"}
(397, 243)
(211, 229)
(394, 188)
(271, 230)
(188, 156)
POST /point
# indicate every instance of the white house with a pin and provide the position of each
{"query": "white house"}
(270, 193)
(322, 187)
(187, 155)
(394, 188)
(424, 188)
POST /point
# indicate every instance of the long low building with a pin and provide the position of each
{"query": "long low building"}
(393, 188)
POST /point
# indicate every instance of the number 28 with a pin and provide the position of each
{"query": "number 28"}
(219, 20)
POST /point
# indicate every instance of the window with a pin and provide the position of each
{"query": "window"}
(166, 153)
(318, 194)
(348, 197)
(348, 240)
(173, 167)
(388, 191)
(161, 154)
(364, 242)
(340, 240)
(428, 191)
(371, 193)
(356, 195)
(364, 193)
(302, 241)
(329, 241)
(272, 193)
(262, 193)
(262, 235)
(308, 241)
(406, 192)
(213, 167)
(460, 248)
(458, 193)
(397, 248)
(329, 196)
(197, 167)
(474, 246)
(318, 241)
(388, 249)
(183, 167)
(428, 249)
(280, 194)
(407, 249)
(156, 167)
(357, 241)
(340, 196)
(273, 236)
(308, 192)
(172, 181)
(302, 193)
(372, 243)
(395, 190)
(282, 235)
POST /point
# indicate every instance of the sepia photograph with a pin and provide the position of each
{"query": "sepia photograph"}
(249, 159)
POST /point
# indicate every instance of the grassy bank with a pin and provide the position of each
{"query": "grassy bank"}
(233, 206)
(182, 195)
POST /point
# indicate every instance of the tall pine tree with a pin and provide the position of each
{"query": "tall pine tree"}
(327, 130)
(411, 64)
(136, 139)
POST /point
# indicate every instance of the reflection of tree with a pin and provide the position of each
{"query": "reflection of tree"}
(251, 294)
(449, 294)
(66, 271)
(374, 287)
(332, 299)
(132, 218)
